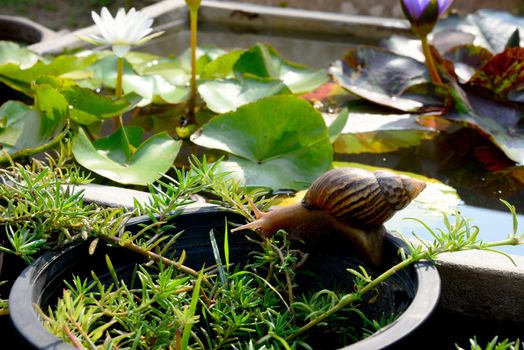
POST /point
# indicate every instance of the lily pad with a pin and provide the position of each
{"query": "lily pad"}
(276, 142)
(152, 87)
(492, 29)
(20, 127)
(499, 120)
(112, 157)
(226, 95)
(11, 52)
(381, 76)
(53, 107)
(264, 61)
(369, 130)
(87, 107)
(502, 74)
(468, 59)
(20, 79)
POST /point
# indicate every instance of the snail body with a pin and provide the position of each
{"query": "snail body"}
(350, 202)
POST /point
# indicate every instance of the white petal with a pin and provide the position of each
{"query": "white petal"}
(121, 50)
(99, 24)
(109, 24)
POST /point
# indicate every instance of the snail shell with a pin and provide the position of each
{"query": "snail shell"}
(361, 198)
(349, 202)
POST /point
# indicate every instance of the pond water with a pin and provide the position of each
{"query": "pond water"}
(452, 158)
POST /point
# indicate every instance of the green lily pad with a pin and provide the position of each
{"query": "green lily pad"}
(20, 79)
(382, 77)
(87, 107)
(226, 95)
(264, 61)
(20, 127)
(53, 107)
(151, 87)
(276, 142)
(112, 157)
(222, 66)
(11, 52)
(177, 70)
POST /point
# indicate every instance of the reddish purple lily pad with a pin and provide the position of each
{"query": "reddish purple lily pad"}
(503, 73)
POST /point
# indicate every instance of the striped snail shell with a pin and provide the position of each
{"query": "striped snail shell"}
(351, 203)
(362, 198)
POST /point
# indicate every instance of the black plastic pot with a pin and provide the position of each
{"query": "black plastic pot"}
(413, 292)
(23, 30)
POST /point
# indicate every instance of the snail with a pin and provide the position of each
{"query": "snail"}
(350, 202)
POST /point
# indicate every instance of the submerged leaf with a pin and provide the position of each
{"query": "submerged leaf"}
(276, 142)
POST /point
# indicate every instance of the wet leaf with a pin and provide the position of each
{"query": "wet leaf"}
(381, 76)
(265, 62)
(226, 95)
(276, 142)
(112, 157)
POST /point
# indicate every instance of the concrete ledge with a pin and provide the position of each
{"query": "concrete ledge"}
(482, 284)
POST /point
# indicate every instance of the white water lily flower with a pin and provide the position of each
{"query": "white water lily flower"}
(122, 31)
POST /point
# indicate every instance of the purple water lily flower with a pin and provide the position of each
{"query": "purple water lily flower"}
(423, 14)
(416, 7)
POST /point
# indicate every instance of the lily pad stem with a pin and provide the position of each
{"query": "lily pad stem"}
(430, 62)
(193, 17)
(118, 94)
